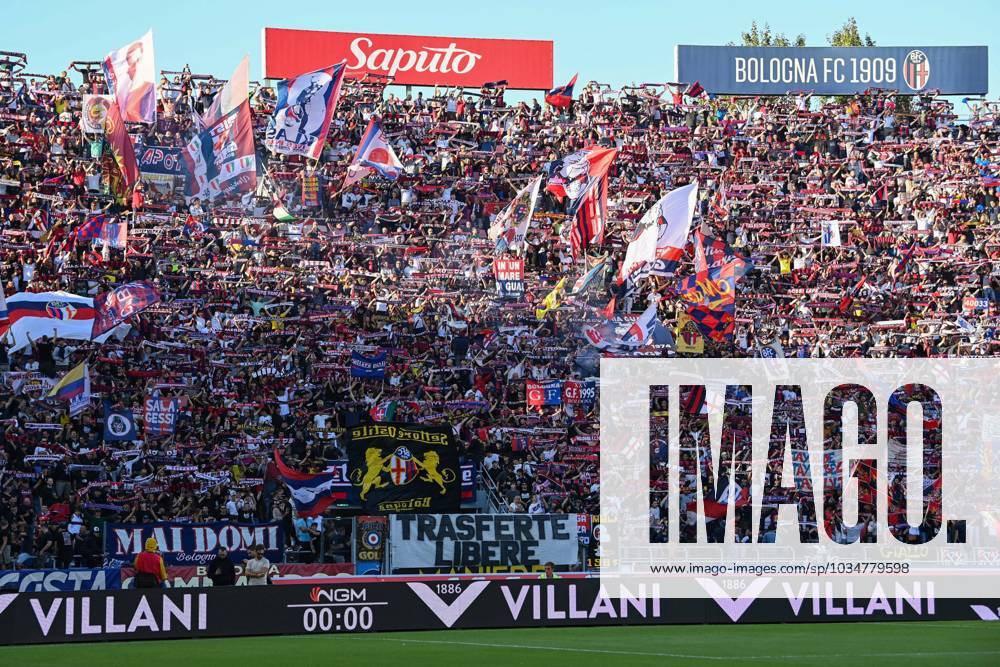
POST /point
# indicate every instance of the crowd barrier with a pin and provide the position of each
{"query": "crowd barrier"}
(178, 576)
(411, 604)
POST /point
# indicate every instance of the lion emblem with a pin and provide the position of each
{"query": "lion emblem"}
(431, 474)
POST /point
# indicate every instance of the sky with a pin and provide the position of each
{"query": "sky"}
(615, 41)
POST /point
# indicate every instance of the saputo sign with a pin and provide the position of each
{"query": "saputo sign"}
(411, 59)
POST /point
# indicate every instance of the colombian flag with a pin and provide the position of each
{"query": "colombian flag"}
(74, 388)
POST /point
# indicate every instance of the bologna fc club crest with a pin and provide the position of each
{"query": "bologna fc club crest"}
(60, 310)
(916, 69)
(402, 468)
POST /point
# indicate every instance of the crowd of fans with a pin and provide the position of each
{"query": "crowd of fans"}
(259, 316)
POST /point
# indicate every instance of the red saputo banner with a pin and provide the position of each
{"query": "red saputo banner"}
(411, 59)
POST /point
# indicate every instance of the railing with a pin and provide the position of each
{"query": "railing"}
(497, 505)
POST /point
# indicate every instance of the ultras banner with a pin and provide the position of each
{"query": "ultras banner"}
(351, 606)
(404, 468)
(420, 541)
(192, 543)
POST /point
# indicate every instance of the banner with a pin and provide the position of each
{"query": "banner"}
(119, 425)
(689, 340)
(196, 576)
(131, 75)
(411, 59)
(384, 606)
(510, 278)
(73, 579)
(822, 70)
(372, 367)
(38, 314)
(580, 392)
(160, 416)
(375, 155)
(540, 394)
(370, 534)
(114, 307)
(303, 111)
(311, 492)
(460, 540)
(122, 167)
(162, 167)
(94, 109)
(192, 543)
(404, 468)
(222, 159)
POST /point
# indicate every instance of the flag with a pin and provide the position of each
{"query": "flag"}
(234, 93)
(38, 314)
(311, 493)
(131, 75)
(122, 153)
(92, 228)
(303, 111)
(571, 176)
(119, 424)
(772, 350)
(372, 367)
(384, 411)
(115, 234)
(716, 324)
(717, 256)
(689, 340)
(281, 214)
(74, 388)
(551, 300)
(590, 215)
(562, 96)
(93, 110)
(716, 508)
(540, 394)
(115, 306)
(41, 222)
(582, 178)
(831, 233)
(661, 235)
(161, 415)
(374, 155)
(846, 303)
(587, 279)
(641, 329)
(4, 315)
(511, 224)
(899, 269)
(222, 159)
(195, 227)
(695, 90)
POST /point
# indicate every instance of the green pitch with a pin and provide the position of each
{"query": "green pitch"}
(909, 644)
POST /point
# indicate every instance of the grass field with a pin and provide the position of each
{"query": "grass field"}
(842, 644)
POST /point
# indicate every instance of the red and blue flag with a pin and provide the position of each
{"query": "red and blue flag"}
(562, 96)
(311, 493)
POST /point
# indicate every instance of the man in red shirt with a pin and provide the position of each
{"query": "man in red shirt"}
(150, 571)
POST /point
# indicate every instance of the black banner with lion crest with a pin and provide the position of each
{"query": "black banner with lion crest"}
(404, 468)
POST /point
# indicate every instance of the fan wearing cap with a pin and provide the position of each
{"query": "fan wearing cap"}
(150, 571)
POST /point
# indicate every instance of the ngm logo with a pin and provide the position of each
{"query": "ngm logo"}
(858, 467)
